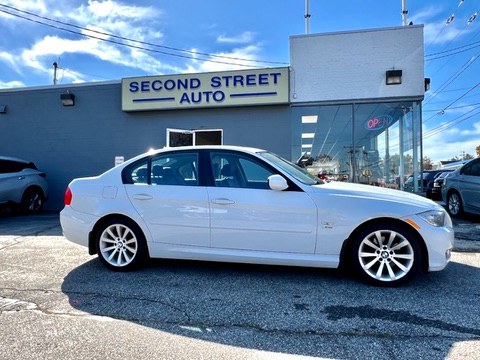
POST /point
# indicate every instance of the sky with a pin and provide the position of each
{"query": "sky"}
(104, 40)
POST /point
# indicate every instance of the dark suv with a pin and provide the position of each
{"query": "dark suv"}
(22, 185)
(461, 189)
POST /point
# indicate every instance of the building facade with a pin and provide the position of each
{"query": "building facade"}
(349, 103)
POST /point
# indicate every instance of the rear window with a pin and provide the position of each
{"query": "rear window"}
(11, 166)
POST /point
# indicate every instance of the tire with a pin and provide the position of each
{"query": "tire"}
(32, 201)
(454, 204)
(121, 244)
(386, 255)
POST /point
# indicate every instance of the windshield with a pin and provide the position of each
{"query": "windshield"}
(290, 168)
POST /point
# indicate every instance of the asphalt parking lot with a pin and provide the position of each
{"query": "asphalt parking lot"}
(57, 302)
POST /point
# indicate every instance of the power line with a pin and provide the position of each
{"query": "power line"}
(449, 105)
(451, 123)
(193, 54)
(451, 108)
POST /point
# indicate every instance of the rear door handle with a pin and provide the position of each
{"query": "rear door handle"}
(223, 201)
(142, 197)
(21, 177)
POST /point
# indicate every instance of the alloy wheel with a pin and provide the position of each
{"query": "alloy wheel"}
(118, 245)
(454, 204)
(386, 255)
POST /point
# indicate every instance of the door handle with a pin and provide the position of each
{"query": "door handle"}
(142, 197)
(21, 177)
(223, 201)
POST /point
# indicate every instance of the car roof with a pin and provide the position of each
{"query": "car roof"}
(151, 152)
(9, 158)
(206, 147)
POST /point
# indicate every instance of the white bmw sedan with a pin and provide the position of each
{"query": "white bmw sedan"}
(235, 204)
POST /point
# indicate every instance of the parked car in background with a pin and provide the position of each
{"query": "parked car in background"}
(461, 189)
(235, 204)
(426, 182)
(437, 184)
(22, 185)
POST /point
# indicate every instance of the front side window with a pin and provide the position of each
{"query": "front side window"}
(238, 171)
(293, 170)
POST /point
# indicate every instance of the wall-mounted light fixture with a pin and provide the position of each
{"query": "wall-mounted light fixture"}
(427, 84)
(393, 77)
(68, 99)
(3, 109)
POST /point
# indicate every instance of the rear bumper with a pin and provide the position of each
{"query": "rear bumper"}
(76, 226)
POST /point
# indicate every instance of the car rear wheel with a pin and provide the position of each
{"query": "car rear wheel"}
(454, 204)
(386, 255)
(32, 201)
(121, 244)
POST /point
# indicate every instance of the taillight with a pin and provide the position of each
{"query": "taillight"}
(68, 197)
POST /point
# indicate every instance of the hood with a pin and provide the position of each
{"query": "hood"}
(359, 191)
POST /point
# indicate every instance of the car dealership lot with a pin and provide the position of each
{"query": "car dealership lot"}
(58, 302)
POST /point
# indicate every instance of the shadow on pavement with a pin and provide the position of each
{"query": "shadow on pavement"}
(274, 308)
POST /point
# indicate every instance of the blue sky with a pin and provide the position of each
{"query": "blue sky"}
(237, 35)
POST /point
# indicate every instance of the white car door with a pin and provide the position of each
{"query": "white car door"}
(247, 215)
(166, 193)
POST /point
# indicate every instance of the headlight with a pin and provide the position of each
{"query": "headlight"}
(434, 217)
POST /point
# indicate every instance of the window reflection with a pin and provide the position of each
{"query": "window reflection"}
(372, 143)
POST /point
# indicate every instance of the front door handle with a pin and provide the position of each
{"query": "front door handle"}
(223, 201)
(142, 197)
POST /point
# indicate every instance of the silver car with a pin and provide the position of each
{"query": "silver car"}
(461, 189)
(22, 185)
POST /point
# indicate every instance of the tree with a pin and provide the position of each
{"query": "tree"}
(427, 163)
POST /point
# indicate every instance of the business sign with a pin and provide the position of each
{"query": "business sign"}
(229, 88)
(378, 122)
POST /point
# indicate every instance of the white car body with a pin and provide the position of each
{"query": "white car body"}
(306, 227)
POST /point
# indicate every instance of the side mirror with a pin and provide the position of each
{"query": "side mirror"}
(277, 182)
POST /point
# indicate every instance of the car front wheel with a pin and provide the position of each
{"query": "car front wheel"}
(121, 244)
(454, 204)
(386, 255)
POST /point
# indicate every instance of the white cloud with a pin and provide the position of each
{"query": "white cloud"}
(10, 60)
(452, 142)
(228, 61)
(11, 84)
(119, 19)
(127, 21)
(36, 6)
(244, 38)
(435, 29)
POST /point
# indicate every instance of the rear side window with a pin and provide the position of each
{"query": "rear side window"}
(139, 173)
(165, 169)
(10, 166)
(175, 169)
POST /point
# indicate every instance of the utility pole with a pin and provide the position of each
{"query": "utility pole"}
(404, 12)
(55, 66)
(307, 16)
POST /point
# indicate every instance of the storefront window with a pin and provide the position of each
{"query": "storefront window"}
(372, 143)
